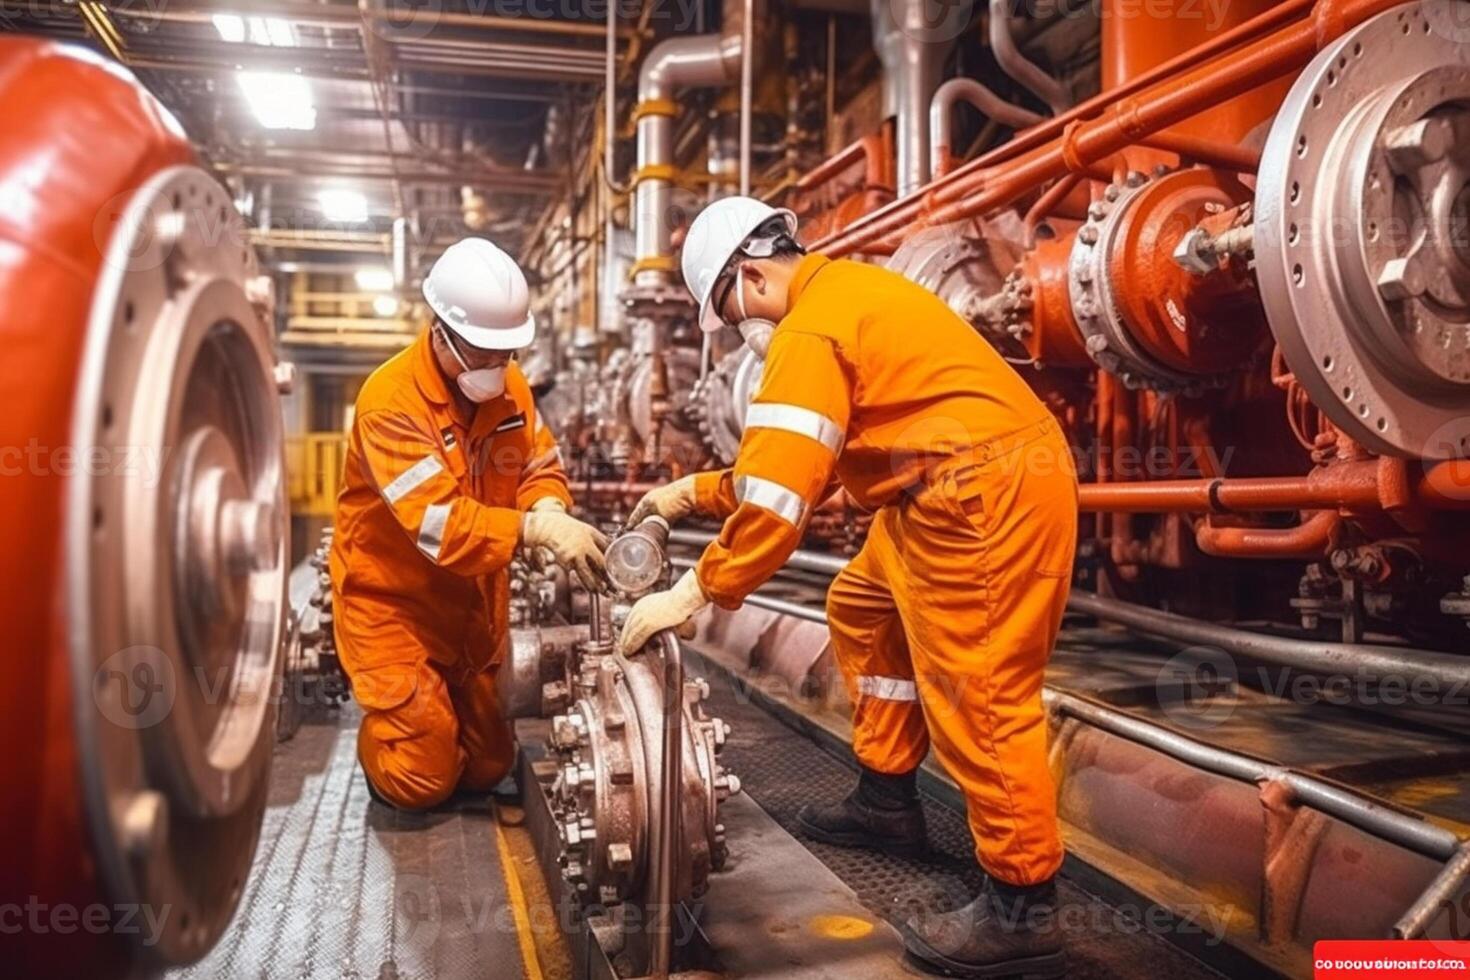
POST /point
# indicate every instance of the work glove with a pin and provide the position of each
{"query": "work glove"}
(661, 611)
(576, 546)
(549, 503)
(672, 501)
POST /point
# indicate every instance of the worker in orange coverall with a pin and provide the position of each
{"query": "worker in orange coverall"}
(448, 471)
(943, 624)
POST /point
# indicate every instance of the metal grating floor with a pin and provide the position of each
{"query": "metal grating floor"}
(345, 888)
(782, 770)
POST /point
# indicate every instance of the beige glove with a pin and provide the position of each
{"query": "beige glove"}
(548, 503)
(576, 545)
(673, 502)
(662, 611)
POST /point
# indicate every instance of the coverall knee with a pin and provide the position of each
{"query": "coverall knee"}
(949, 615)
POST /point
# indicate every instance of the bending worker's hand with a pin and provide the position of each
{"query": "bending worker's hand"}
(576, 545)
(661, 611)
(673, 502)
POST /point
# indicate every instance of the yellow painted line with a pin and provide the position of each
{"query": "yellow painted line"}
(516, 895)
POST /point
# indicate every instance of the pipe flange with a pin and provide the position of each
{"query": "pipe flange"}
(1363, 233)
(1095, 307)
(720, 400)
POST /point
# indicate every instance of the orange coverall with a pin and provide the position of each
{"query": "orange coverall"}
(943, 624)
(427, 521)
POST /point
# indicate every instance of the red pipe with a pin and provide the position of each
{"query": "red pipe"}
(1376, 484)
(1309, 539)
(1235, 157)
(1264, 58)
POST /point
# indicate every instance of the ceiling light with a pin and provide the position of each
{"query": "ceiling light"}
(231, 27)
(280, 100)
(271, 32)
(374, 279)
(343, 204)
(385, 305)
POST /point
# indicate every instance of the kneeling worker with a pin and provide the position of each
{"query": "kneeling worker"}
(944, 622)
(449, 470)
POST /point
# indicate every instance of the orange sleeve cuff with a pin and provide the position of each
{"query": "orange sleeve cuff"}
(714, 493)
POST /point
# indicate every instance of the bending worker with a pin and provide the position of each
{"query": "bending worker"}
(943, 624)
(449, 469)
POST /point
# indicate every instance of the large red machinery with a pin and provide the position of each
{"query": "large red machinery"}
(142, 508)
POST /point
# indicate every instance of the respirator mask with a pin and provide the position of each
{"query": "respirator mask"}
(756, 331)
(481, 384)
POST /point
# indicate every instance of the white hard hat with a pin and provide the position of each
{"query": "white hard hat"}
(714, 237)
(481, 294)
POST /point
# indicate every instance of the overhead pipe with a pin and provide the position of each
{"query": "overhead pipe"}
(901, 213)
(678, 62)
(913, 64)
(991, 105)
(1018, 66)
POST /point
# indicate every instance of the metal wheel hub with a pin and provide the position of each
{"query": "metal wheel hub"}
(721, 398)
(1363, 233)
(177, 559)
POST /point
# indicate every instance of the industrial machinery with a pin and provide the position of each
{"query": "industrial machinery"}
(146, 578)
(636, 785)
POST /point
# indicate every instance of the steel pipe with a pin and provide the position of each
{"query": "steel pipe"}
(665, 831)
(913, 64)
(1351, 808)
(1441, 891)
(941, 117)
(901, 213)
(1370, 662)
(1018, 66)
(706, 60)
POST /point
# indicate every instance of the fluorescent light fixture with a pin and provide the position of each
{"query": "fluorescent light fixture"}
(373, 279)
(272, 32)
(343, 204)
(231, 27)
(385, 305)
(279, 99)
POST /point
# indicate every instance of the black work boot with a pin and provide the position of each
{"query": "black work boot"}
(1010, 930)
(883, 814)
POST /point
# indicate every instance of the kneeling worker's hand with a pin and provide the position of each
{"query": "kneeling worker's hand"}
(673, 502)
(661, 611)
(576, 545)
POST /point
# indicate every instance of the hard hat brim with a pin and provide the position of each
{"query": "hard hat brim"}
(495, 338)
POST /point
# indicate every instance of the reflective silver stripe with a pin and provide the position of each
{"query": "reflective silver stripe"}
(412, 478)
(546, 458)
(794, 418)
(431, 531)
(888, 688)
(784, 502)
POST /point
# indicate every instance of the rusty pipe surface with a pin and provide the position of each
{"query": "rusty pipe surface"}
(991, 106)
(1235, 157)
(665, 847)
(1309, 539)
(863, 149)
